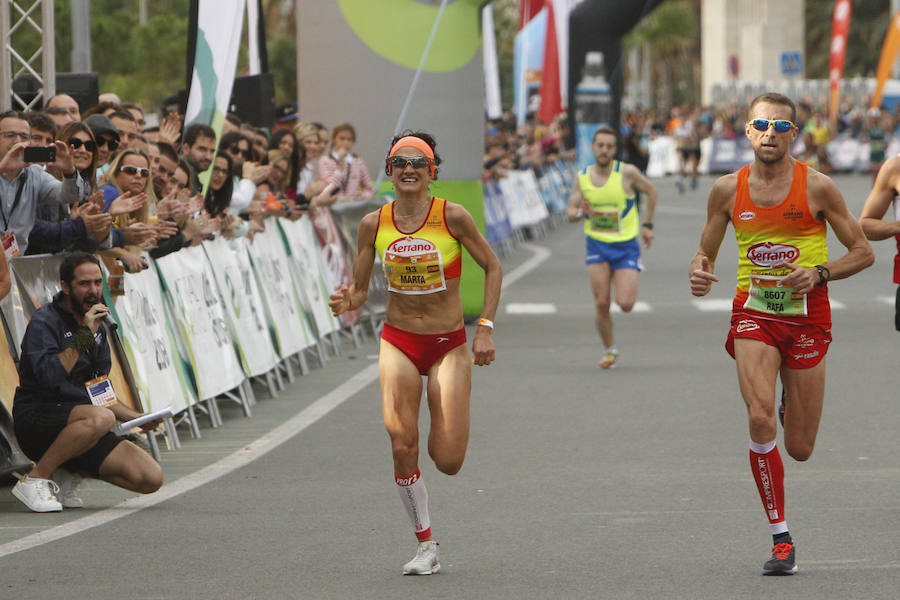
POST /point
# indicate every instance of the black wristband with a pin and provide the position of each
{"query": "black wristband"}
(648, 225)
(83, 340)
(824, 274)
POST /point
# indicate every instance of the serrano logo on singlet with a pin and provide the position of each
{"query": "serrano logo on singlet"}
(747, 215)
(409, 246)
(767, 254)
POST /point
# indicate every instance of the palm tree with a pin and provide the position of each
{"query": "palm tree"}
(672, 34)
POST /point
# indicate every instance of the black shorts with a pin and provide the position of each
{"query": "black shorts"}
(38, 428)
(689, 153)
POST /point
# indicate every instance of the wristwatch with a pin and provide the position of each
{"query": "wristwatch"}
(824, 274)
(648, 225)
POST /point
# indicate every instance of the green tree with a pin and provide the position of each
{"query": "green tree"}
(673, 35)
(506, 26)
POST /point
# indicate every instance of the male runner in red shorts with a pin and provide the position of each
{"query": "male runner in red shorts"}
(781, 318)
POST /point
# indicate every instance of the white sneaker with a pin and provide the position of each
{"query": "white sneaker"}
(37, 494)
(68, 483)
(425, 561)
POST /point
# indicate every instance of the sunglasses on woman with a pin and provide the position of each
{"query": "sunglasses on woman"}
(417, 162)
(89, 145)
(780, 125)
(238, 150)
(132, 170)
(112, 144)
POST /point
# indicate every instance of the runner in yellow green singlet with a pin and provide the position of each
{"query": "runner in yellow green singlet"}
(603, 194)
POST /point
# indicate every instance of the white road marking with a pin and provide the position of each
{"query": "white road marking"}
(713, 304)
(540, 254)
(639, 307)
(530, 308)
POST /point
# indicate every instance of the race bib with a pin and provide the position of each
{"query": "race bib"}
(418, 274)
(604, 221)
(101, 391)
(768, 296)
(10, 245)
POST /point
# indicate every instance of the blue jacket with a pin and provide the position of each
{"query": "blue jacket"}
(42, 377)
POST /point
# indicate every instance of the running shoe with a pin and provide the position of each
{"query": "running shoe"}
(425, 561)
(37, 494)
(679, 183)
(68, 483)
(782, 561)
(781, 408)
(609, 359)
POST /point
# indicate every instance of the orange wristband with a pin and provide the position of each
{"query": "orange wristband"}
(486, 322)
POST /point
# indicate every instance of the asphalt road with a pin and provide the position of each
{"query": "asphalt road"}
(629, 483)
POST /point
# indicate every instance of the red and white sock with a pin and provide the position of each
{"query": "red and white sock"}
(768, 471)
(415, 498)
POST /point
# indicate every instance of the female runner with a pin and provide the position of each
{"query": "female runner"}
(418, 238)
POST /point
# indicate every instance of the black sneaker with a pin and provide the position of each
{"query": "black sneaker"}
(782, 561)
(781, 408)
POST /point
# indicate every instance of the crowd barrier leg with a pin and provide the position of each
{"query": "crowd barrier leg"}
(300, 357)
(248, 389)
(154, 447)
(335, 339)
(278, 380)
(288, 369)
(211, 409)
(244, 399)
(192, 421)
(171, 434)
(268, 379)
(322, 353)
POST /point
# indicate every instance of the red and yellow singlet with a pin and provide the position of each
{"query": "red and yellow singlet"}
(769, 237)
(420, 261)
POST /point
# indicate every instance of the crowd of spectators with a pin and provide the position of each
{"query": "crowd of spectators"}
(509, 146)
(119, 188)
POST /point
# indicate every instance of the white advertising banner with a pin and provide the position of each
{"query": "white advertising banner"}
(310, 270)
(190, 284)
(287, 317)
(159, 373)
(243, 304)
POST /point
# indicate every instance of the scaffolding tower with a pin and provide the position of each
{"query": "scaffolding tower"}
(16, 16)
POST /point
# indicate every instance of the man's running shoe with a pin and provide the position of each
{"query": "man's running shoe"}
(37, 494)
(426, 560)
(609, 359)
(68, 483)
(782, 561)
(679, 183)
(781, 408)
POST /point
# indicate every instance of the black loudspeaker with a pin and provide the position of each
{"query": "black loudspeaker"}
(83, 87)
(253, 99)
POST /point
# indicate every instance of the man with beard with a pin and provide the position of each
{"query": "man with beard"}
(604, 195)
(198, 149)
(62, 420)
(781, 318)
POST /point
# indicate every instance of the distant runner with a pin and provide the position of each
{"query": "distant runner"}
(603, 194)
